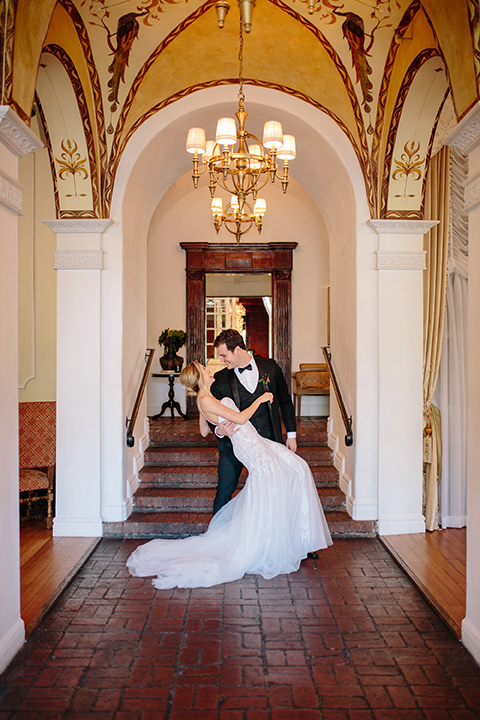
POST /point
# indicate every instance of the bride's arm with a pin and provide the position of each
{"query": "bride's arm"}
(213, 407)
(203, 425)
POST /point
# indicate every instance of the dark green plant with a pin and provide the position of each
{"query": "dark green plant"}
(172, 340)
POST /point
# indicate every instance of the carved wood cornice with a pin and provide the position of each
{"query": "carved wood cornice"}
(466, 136)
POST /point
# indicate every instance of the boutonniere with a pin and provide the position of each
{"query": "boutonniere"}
(265, 380)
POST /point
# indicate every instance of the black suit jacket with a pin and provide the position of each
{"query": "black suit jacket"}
(282, 402)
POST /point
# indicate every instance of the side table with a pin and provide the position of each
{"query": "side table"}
(171, 402)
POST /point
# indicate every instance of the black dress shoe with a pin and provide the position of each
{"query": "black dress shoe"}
(312, 555)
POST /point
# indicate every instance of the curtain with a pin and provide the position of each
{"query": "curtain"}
(437, 200)
(451, 393)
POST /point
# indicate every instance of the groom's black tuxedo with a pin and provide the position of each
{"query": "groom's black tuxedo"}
(266, 419)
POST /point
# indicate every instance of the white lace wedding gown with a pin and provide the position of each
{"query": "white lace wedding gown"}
(268, 528)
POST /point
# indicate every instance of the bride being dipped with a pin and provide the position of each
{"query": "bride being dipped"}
(266, 529)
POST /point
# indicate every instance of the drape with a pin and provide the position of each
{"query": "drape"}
(437, 200)
(451, 393)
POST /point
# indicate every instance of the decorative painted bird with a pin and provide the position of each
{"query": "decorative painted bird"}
(354, 33)
(127, 31)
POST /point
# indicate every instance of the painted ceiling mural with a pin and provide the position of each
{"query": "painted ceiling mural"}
(386, 71)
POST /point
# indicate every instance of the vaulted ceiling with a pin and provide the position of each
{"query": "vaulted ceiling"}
(389, 72)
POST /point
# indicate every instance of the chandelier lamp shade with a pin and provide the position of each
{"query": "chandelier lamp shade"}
(240, 164)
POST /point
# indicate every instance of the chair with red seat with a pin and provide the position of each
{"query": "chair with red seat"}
(37, 436)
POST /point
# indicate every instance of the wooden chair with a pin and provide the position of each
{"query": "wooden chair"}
(37, 436)
(311, 379)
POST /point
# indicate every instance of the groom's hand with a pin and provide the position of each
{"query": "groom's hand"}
(291, 444)
(226, 427)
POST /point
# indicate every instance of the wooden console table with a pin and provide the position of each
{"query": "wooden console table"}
(171, 402)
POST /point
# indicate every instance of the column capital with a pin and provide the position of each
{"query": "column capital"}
(466, 136)
(402, 227)
(84, 226)
(15, 135)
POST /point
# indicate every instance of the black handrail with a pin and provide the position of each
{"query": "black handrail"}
(347, 421)
(130, 422)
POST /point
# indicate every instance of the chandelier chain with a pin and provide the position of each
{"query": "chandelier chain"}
(241, 94)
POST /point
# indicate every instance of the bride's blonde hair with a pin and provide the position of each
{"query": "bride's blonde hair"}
(191, 378)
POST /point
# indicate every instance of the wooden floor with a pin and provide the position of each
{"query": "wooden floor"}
(436, 563)
(47, 565)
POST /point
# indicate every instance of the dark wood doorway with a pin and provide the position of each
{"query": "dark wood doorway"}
(275, 258)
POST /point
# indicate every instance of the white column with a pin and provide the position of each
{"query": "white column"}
(79, 262)
(400, 265)
(16, 140)
(466, 137)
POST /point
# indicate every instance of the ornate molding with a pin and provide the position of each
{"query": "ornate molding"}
(15, 135)
(402, 227)
(78, 260)
(11, 194)
(401, 260)
(466, 136)
(78, 225)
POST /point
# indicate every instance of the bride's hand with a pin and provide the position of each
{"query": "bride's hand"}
(266, 397)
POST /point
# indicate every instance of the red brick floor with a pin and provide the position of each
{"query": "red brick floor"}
(347, 637)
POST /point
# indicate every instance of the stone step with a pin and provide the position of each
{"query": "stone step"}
(205, 476)
(168, 456)
(177, 432)
(201, 499)
(181, 524)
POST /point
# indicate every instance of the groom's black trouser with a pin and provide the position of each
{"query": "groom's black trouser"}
(229, 469)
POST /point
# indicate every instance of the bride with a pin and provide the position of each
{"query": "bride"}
(266, 529)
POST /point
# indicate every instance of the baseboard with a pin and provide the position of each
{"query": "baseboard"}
(398, 525)
(115, 512)
(339, 462)
(471, 638)
(332, 441)
(345, 484)
(77, 527)
(363, 509)
(11, 643)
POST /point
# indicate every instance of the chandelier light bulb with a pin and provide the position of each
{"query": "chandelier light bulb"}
(260, 207)
(196, 141)
(226, 132)
(217, 206)
(209, 151)
(288, 151)
(272, 135)
(234, 202)
(255, 150)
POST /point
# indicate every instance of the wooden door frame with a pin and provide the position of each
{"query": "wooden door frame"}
(274, 258)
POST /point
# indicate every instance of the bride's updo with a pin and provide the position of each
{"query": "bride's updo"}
(191, 378)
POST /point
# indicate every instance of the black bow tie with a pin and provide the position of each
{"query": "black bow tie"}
(247, 367)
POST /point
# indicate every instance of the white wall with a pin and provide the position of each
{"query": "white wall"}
(37, 281)
(16, 140)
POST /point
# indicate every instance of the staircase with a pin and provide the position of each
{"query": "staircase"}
(179, 478)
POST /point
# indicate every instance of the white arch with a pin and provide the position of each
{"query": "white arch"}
(326, 167)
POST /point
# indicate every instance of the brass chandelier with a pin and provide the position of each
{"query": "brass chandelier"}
(243, 171)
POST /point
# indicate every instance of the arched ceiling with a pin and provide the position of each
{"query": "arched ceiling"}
(355, 60)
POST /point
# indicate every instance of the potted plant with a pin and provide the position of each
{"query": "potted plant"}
(172, 340)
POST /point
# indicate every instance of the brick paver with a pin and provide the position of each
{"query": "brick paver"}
(347, 637)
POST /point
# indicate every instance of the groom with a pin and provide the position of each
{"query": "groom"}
(243, 379)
